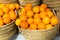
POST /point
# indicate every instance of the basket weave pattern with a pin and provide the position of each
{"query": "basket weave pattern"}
(7, 31)
(8, 1)
(40, 34)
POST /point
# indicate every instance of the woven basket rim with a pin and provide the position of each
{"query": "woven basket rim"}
(7, 24)
(41, 30)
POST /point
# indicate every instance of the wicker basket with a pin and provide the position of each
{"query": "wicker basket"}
(33, 2)
(8, 1)
(47, 34)
(52, 3)
(40, 34)
(7, 31)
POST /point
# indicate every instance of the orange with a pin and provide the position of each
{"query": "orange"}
(1, 21)
(2, 6)
(7, 5)
(46, 20)
(54, 20)
(30, 20)
(42, 9)
(23, 10)
(43, 14)
(24, 25)
(18, 22)
(28, 6)
(6, 10)
(41, 26)
(13, 15)
(17, 6)
(1, 12)
(37, 20)
(33, 26)
(30, 13)
(6, 18)
(11, 6)
(23, 18)
(36, 9)
(22, 13)
(44, 6)
(49, 13)
(49, 26)
(37, 15)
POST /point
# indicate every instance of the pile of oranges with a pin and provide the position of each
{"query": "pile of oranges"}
(36, 18)
(7, 13)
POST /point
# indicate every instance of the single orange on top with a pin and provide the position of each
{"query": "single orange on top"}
(49, 13)
(36, 9)
(37, 15)
(1, 12)
(46, 20)
(13, 15)
(11, 6)
(6, 18)
(33, 26)
(30, 20)
(44, 6)
(28, 6)
(6, 10)
(41, 26)
(24, 25)
(30, 13)
(43, 14)
(1, 21)
(37, 20)
(23, 18)
(17, 6)
(18, 22)
(49, 26)
(54, 20)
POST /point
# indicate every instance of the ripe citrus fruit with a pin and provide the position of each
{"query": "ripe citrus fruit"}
(49, 13)
(1, 21)
(30, 13)
(42, 9)
(6, 10)
(2, 6)
(36, 9)
(37, 20)
(28, 6)
(23, 18)
(23, 10)
(33, 26)
(18, 22)
(24, 25)
(46, 20)
(41, 26)
(11, 6)
(44, 6)
(1, 12)
(54, 20)
(12, 15)
(6, 18)
(37, 16)
(30, 20)
(22, 13)
(43, 14)
(49, 26)
(17, 6)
